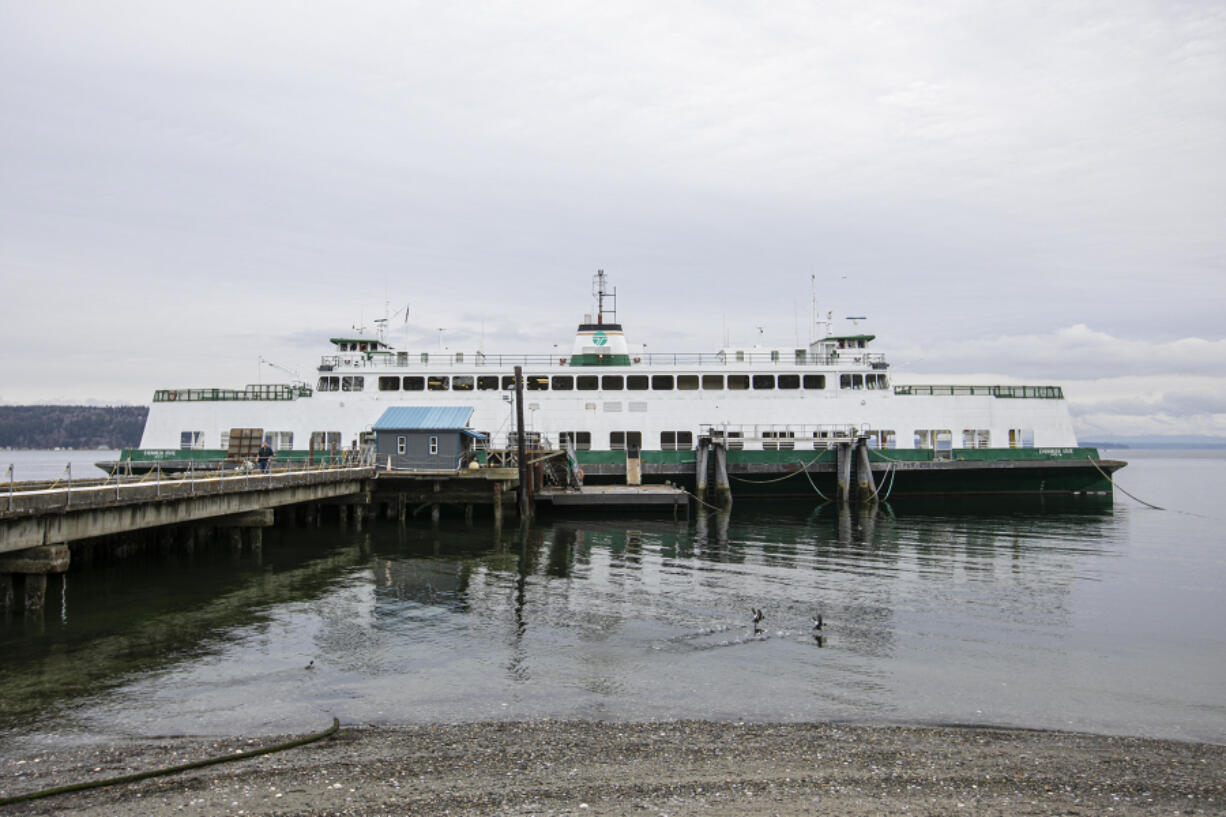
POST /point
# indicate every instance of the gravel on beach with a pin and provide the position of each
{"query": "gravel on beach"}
(673, 768)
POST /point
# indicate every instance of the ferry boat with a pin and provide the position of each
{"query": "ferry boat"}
(778, 413)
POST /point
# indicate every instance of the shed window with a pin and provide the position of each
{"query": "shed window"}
(462, 382)
(487, 382)
(389, 384)
(433, 446)
(563, 382)
(437, 382)
(612, 382)
(415, 384)
(662, 382)
(401, 444)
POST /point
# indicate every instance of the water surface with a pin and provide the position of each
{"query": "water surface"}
(1073, 615)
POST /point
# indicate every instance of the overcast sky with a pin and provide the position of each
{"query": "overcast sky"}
(1010, 192)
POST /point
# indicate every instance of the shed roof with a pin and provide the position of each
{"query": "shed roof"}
(424, 418)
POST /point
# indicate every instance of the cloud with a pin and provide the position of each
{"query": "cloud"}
(1072, 352)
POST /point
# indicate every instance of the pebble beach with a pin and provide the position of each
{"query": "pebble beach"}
(673, 768)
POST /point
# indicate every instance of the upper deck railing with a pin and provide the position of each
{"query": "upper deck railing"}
(467, 360)
(1039, 392)
(277, 391)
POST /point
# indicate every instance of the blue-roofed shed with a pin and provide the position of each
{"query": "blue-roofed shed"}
(428, 438)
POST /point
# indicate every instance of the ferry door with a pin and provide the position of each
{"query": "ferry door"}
(634, 462)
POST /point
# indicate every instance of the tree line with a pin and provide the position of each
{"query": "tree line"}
(71, 426)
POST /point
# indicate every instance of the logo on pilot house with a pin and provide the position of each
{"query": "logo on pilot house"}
(600, 339)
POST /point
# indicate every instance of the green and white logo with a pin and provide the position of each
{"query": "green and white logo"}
(600, 338)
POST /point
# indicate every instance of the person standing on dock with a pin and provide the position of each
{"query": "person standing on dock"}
(264, 456)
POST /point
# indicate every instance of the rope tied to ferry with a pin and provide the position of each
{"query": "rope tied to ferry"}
(208, 761)
(1115, 485)
(803, 467)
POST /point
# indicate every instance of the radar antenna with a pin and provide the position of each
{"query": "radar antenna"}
(598, 290)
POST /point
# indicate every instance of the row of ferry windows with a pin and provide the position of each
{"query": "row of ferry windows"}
(938, 438)
(608, 382)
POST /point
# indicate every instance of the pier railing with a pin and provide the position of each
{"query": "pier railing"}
(208, 477)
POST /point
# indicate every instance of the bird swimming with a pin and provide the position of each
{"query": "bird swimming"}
(817, 622)
(757, 619)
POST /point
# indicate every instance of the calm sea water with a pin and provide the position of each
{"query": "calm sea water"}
(1084, 616)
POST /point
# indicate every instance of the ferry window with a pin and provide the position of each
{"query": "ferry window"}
(279, 440)
(459, 357)
(617, 441)
(225, 440)
(329, 384)
(1021, 438)
(789, 381)
(940, 439)
(487, 382)
(587, 382)
(462, 382)
(581, 440)
(775, 355)
(415, 384)
(778, 440)
(389, 384)
(687, 382)
(401, 444)
(613, 407)
(738, 382)
(437, 382)
(402, 359)
(733, 439)
(636, 406)
(325, 440)
(764, 381)
(976, 438)
(662, 382)
(425, 357)
(508, 382)
(354, 383)
(191, 439)
(851, 381)
(563, 382)
(815, 381)
(433, 446)
(713, 382)
(676, 440)
(740, 357)
(612, 382)
(636, 382)
(535, 382)
(800, 356)
(884, 438)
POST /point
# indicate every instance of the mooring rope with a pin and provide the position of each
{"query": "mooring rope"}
(704, 502)
(210, 761)
(803, 467)
(1114, 485)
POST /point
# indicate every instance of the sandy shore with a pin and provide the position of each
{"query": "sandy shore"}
(670, 768)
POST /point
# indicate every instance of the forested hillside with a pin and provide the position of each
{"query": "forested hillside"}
(71, 426)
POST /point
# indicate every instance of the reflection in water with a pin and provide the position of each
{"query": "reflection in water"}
(926, 614)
